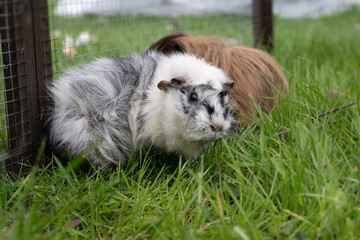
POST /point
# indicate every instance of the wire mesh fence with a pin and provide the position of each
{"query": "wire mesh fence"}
(23, 81)
(41, 39)
(14, 100)
(82, 30)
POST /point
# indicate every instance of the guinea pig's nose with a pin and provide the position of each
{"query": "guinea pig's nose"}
(216, 127)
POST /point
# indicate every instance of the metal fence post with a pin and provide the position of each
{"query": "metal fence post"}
(263, 24)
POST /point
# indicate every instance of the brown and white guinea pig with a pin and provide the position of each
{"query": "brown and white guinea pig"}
(111, 107)
(257, 77)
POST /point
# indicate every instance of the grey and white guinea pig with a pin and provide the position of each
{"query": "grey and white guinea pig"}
(114, 106)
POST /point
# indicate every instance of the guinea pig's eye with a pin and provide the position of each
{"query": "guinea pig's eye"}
(193, 97)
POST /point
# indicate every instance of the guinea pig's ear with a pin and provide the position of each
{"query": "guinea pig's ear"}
(174, 82)
(177, 81)
(170, 44)
(229, 84)
(163, 85)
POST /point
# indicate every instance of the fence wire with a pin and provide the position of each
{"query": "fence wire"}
(22, 87)
(84, 29)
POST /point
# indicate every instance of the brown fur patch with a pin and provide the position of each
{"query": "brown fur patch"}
(258, 79)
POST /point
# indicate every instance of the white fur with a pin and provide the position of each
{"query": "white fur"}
(195, 71)
(164, 125)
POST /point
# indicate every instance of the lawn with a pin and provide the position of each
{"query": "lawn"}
(256, 185)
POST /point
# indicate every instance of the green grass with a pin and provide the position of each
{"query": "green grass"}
(254, 186)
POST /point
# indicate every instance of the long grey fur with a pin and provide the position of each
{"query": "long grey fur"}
(93, 105)
(77, 115)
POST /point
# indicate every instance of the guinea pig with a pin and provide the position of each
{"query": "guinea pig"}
(258, 80)
(111, 107)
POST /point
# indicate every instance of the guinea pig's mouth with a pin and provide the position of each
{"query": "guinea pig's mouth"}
(207, 133)
(205, 140)
(214, 136)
